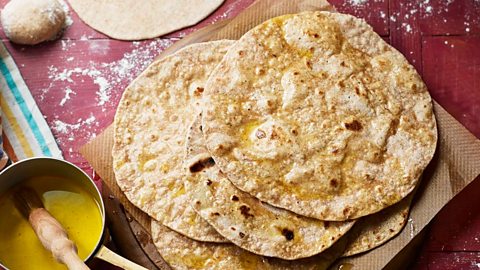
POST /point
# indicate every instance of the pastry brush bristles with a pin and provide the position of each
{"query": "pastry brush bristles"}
(26, 200)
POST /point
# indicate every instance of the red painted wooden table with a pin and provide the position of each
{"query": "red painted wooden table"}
(78, 81)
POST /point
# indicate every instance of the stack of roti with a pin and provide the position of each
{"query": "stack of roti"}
(295, 145)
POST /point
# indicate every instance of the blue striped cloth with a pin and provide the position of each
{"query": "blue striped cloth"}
(25, 131)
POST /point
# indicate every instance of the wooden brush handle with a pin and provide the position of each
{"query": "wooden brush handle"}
(55, 239)
(109, 256)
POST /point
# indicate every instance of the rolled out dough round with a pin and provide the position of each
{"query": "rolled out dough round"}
(135, 20)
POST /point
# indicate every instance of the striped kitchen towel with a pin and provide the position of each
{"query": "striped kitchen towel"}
(25, 131)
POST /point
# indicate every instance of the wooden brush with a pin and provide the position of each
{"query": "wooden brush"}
(50, 232)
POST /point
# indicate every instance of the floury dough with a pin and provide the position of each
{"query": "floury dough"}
(135, 20)
(30, 22)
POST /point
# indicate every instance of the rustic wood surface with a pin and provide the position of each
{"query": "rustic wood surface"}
(78, 81)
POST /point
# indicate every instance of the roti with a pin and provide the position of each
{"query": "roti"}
(151, 122)
(372, 231)
(243, 219)
(316, 114)
(181, 253)
(134, 20)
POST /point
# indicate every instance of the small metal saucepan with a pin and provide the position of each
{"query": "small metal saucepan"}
(31, 168)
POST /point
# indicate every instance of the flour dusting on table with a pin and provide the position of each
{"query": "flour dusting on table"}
(68, 92)
(67, 44)
(108, 75)
(69, 129)
(407, 19)
(109, 79)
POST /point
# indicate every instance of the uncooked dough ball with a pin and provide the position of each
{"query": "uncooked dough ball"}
(30, 22)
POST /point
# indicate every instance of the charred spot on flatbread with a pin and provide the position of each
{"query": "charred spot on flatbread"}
(202, 165)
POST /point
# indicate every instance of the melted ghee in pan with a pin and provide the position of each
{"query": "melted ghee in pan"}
(77, 211)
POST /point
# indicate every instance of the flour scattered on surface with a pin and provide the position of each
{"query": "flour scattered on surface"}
(63, 127)
(427, 11)
(60, 127)
(65, 75)
(89, 120)
(108, 76)
(103, 93)
(68, 92)
(99, 46)
(67, 44)
(407, 27)
(70, 129)
(84, 37)
(357, 2)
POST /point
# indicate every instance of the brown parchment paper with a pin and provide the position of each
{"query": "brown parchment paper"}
(455, 164)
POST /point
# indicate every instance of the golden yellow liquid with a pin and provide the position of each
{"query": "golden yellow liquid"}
(77, 211)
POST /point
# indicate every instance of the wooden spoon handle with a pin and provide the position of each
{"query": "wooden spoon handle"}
(55, 239)
(117, 260)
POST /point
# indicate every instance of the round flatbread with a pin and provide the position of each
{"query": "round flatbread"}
(151, 123)
(135, 20)
(372, 231)
(243, 219)
(183, 253)
(316, 114)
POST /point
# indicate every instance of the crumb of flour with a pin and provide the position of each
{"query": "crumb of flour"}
(66, 128)
(99, 47)
(62, 127)
(67, 44)
(68, 92)
(107, 75)
(406, 20)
